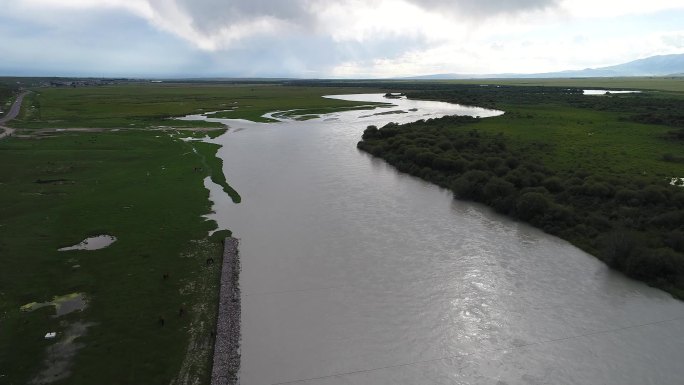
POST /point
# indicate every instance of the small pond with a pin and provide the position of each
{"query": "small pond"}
(92, 243)
(603, 92)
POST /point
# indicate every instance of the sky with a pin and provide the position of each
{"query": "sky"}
(329, 39)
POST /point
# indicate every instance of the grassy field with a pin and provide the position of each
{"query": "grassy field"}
(595, 141)
(144, 188)
(148, 105)
(598, 134)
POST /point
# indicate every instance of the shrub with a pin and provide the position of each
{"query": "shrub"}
(618, 246)
(600, 189)
(371, 132)
(652, 194)
(651, 264)
(669, 219)
(553, 184)
(498, 188)
(470, 184)
(531, 204)
(628, 197)
(675, 240)
(425, 158)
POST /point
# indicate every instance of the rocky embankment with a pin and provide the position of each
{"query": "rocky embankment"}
(227, 345)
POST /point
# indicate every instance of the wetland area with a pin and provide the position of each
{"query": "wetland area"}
(351, 272)
(398, 192)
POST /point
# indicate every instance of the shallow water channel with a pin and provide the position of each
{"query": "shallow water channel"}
(355, 274)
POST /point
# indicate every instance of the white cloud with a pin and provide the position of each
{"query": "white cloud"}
(616, 8)
(217, 24)
(388, 37)
(673, 40)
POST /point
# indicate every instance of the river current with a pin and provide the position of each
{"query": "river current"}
(353, 273)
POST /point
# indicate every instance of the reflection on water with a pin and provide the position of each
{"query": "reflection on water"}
(355, 274)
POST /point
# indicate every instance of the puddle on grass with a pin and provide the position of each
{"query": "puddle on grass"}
(92, 243)
(677, 182)
(59, 356)
(604, 92)
(64, 304)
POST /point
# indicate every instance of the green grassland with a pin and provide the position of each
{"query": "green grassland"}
(152, 105)
(610, 135)
(595, 141)
(146, 189)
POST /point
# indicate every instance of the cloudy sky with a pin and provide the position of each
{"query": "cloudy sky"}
(330, 38)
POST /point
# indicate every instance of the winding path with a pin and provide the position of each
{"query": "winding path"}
(13, 112)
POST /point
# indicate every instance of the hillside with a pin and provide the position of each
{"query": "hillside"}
(661, 65)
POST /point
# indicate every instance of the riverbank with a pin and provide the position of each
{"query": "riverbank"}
(226, 362)
(564, 164)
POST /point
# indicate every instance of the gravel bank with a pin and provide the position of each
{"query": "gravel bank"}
(227, 345)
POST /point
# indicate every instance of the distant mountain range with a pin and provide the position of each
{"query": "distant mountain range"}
(661, 65)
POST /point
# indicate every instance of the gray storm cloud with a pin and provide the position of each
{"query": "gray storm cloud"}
(249, 37)
(483, 8)
(287, 31)
(209, 15)
(206, 17)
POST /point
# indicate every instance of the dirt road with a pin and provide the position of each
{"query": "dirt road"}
(13, 112)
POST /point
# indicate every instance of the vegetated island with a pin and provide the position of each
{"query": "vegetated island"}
(600, 172)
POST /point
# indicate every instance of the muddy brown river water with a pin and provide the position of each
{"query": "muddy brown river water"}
(353, 273)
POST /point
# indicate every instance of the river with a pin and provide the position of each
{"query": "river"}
(353, 273)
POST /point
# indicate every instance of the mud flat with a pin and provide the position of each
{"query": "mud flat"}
(227, 345)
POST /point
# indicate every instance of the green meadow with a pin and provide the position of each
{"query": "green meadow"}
(619, 134)
(595, 141)
(148, 105)
(145, 189)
